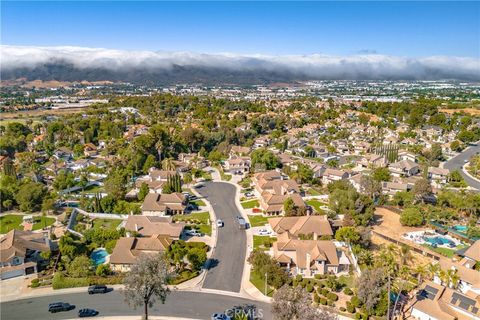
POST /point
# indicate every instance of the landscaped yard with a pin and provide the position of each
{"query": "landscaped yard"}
(198, 203)
(9, 222)
(263, 242)
(202, 217)
(250, 204)
(42, 222)
(258, 220)
(258, 281)
(94, 189)
(313, 192)
(204, 228)
(316, 204)
(106, 223)
(449, 253)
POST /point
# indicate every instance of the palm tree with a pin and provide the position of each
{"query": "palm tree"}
(159, 147)
(433, 270)
(387, 260)
(405, 255)
(168, 164)
(453, 278)
(421, 271)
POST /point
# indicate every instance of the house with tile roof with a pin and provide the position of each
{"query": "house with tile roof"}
(156, 204)
(147, 226)
(310, 226)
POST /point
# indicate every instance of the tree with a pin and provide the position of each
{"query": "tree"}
(30, 196)
(422, 188)
(370, 287)
(144, 190)
(411, 217)
(294, 303)
(115, 184)
(370, 186)
(381, 174)
(79, 267)
(147, 281)
(168, 164)
(197, 258)
(265, 158)
(103, 270)
(348, 234)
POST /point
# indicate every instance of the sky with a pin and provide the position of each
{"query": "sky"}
(408, 29)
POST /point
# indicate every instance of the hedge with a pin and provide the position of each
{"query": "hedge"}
(60, 282)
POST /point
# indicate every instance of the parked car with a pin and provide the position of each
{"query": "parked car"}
(97, 289)
(219, 223)
(60, 306)
(220, 316)
(249, 194)
(84, 313)
(242, 224)
(194, 233)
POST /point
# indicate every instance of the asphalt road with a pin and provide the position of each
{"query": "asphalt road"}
(179, 304)
(226, 268)
(457, 162)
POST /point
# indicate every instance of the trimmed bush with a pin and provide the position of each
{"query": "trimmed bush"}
(330, 303)
(60, 282)
(35, 283)
(350, 308)
(321, 285)
(323, 301)
(298, 277)
(324, 292)
(355, 301)
(332, 296)
(358, 316)
(309, 288)
(316, 298)
(342, 309)
(348, 291)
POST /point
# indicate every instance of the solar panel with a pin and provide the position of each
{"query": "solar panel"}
(429, 292)
(465, 302)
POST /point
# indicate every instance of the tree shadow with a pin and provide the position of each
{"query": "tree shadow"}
(211, 263)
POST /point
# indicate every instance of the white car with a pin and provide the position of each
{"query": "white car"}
(249, 194)
(264, 232)
(219, 223)
(193, 233)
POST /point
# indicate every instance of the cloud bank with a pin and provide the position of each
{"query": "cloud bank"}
(315, 66)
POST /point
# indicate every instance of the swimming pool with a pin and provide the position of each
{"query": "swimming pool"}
(99, 256)
(460, 228)
(439, 241)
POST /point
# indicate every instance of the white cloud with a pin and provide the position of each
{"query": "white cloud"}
(361, 66)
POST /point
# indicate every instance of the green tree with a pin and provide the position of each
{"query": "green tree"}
(411, 217)
(30, 196)
(79, 267)
(348, 234)
(144, 190)
(381, 174)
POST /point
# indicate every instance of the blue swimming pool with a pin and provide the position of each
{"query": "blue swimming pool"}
(98, 256)
(438, 240)
(460, 228)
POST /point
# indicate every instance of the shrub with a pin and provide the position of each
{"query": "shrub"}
(324, 291)
(358, 316)
(35, 283)
(294, 283)
(110, 245)
(348, 291)
(330, 303)
(298, 277)
(355, 301)
(309, 288)
(342, 309)
(332, 296)
(321, 285)
(323, 301)
(316, 298)
(350, 308)
(60, 282)
(103, 270)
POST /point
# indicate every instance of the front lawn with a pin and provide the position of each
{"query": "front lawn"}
(263, 242)
(316, 204)
(250, 204)
(10, 222)
(42, 222)
(198, 203)
(204, 228)
(257, 220)
(201, 217)
(259, 281)
(106, 223)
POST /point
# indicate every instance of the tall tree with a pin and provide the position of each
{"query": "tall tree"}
(147, 281)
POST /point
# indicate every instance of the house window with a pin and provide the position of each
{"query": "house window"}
(16, 261)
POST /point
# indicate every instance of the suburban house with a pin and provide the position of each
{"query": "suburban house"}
(437, 302)
(361, 147)
(372, 161)
(390, 188)
(273, 204)
(90, 150)
(20, 252)
(148, 226)
(63, 153)
(438, 176)
(407, 155)
(331, 175)
(404, 168)
(237, 164)
(128, 249)
(471, 256)
(155, 181)
(156, 204)
(469, 278)
(309, 257)
(239, 151)
(309, 226)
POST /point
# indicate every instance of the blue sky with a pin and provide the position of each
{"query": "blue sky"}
(280, 28)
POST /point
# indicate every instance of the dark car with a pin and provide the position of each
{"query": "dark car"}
(84, 313)
(60, 306)
(97, 289)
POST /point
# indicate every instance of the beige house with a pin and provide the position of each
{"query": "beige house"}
(237, 164)
(128, 249)
(309, 257)
(156, 204)
(148, 226)
(471, 256)
(19, 252)
(313, 226)
(331, 175)
(404, 168)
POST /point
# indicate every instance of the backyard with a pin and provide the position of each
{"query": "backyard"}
(316, 204)
(12, 221)
(106, 223)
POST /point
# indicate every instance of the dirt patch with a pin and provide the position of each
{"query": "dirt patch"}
(470, 111)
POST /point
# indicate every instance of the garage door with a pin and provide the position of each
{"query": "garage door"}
(12, 274)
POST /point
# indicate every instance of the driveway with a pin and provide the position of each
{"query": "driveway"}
(226, 265)
(457, 163)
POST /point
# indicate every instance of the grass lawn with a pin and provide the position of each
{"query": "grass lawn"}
(257, 221)
(94, 189)
(347, 281)
(250, 204)
(41, 222)
(258, 242)
(225, 176)
(449, 253)
(199, 203)
(314, 192)
(205, 229)
(258, 281)
(203, 217)
(10, 222)
(106, 223)
(316, 204)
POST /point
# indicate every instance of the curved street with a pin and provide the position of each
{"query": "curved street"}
(457, 163)
(181, 304)
(226, 265)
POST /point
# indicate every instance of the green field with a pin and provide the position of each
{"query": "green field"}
(250, 204)
(9, 222)
(257, 220)
(259, 241)
(316, 204)
(258, 281)
(203, 217)
(106, 223)
(41, 222)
